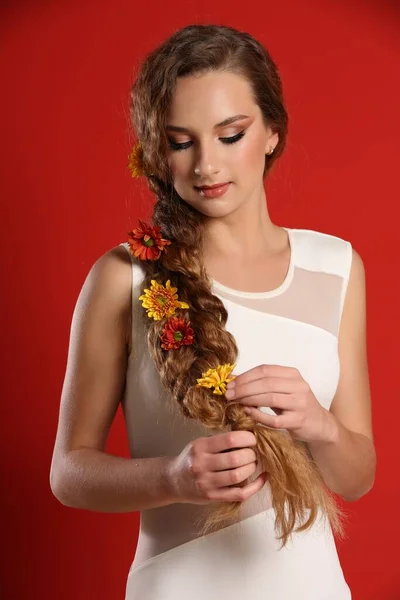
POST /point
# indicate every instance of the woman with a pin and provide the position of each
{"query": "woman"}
(237, 349)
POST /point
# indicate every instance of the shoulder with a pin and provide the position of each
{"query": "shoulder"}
(106, 292)
(357, 278)
(106, 295)
(111, 273)
(324, 252)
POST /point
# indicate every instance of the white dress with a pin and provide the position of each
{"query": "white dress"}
(295, 325)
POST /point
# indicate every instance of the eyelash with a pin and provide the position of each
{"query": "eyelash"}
(227, 140)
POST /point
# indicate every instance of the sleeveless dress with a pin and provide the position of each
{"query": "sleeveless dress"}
(294, 325)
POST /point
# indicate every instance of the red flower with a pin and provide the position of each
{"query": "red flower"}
(145, 242)
(177, 332)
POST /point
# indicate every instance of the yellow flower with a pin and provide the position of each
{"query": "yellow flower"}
(161, 301)
(135, 164)
(217, 378)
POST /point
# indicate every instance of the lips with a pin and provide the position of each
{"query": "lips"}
(215, 191)
(211, 187)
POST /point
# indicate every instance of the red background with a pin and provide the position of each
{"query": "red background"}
(67, 197)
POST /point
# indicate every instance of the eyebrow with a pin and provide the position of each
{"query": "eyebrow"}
(218, 125)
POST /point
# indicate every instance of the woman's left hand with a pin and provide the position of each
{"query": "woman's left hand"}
(285, 391)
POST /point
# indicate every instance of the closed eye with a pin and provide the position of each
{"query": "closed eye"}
(226, 140)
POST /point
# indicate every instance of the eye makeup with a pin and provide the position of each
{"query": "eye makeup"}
(226, 140)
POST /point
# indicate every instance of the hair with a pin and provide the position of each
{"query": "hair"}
(295, 480)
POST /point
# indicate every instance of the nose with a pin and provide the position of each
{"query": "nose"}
(207, 162)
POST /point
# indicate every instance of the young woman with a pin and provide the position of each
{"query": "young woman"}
(233, 482)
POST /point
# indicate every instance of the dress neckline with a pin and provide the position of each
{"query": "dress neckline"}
(270, 293)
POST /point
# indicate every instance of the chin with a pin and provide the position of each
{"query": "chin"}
(216, 209)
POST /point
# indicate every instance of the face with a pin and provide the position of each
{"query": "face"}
(232, 152)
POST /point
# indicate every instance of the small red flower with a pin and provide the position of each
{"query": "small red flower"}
(145, 242)
(177, 332)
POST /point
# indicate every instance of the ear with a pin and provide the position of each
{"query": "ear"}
(271, 141)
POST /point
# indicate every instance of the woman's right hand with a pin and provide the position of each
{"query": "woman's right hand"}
(210, 469)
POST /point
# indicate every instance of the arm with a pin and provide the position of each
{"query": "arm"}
(82, 475)
(347, 458)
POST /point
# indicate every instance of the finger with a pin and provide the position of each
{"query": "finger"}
(230, 477)
(271, 400)
(239, 494)
(267, 385)
(272, 421)
(228, 440)
(262, 371)
(230, 460)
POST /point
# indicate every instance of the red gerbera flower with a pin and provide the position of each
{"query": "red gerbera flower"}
(145, 242)
(177, 332)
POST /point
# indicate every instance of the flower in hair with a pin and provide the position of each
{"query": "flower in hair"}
(161, 301)
(135, 164)
(217, 378)
(146, 243)
(176, 333)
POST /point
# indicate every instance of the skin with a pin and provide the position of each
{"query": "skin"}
(341, 438)
(239, 234)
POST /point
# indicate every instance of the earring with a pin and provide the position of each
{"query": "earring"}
(197, 171)
(271, 149)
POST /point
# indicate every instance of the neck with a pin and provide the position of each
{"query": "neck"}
(246, 234)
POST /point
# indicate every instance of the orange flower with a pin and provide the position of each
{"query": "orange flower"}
(135, 164)
(146, 243)
(177, 332)
(161, 301)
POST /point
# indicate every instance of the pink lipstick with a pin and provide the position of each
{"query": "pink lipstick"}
(214, 191)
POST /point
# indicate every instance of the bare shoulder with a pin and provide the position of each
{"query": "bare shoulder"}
(355, 299)
(352, 401)
(358, 267)
(114, 266)
(97, 357)
(109, 283)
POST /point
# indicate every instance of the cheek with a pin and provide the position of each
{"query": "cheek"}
(251, 157)
(178, 165)
(180, 171)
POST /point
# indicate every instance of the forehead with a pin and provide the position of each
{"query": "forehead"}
(204, 100)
